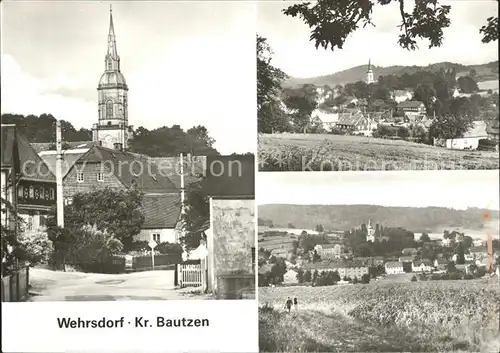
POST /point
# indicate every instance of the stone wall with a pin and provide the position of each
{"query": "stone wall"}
(234, 236)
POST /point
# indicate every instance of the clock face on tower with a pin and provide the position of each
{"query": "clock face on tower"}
(108, 139)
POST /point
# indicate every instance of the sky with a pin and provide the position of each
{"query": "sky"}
(185, 63)
(452, 189)
(298, 57)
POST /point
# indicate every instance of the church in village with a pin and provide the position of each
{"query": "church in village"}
(112, 129)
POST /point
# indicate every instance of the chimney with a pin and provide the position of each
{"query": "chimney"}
(118, 146)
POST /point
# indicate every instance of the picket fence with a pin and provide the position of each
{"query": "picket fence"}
(193, 275)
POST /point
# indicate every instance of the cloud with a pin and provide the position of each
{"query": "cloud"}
(25, 94)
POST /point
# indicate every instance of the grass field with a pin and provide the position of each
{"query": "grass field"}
(318, 152)
(427, 316)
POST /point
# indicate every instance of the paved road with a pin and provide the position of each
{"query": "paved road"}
(47, 285)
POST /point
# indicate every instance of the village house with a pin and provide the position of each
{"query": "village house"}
(329, 250)
(328, 117)
(440, 264)
(407, 258)
(27, 182)
(424, 266)
(344, 269)
(467, 257)
(354, 122)
(280, 252)
(393, 267)
(446, 242)
(411, 107)
(101, 167)
(409, 251)
(401, 95)
(478, 242)
(478, 252)
(290, 277)
(470, 139)
(463, 268)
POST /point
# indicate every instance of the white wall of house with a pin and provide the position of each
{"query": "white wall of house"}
(394, 270)
(464, 143)
(163, 234)
(290, 277)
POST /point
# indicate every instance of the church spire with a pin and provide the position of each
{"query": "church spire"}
(369, 65)
(112, 58)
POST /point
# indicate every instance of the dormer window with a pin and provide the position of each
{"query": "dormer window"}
(79, 177)
(100, 177)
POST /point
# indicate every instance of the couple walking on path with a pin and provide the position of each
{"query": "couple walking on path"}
(289, 304)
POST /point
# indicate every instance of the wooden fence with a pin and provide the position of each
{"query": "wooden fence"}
(15, 287)
(193, 274)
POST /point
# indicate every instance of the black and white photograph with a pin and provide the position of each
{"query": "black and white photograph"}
(396, 261)
(377, 85)
(128, 141)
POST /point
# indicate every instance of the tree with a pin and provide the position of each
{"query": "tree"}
(315, 256)
(114, 212)
(35, 247)
(196, 214)
(425, 237)
(331, 22)
(300, 275)
(10, 244)
(319, 228)
(270, 115)
(171, 141)
(467, 84)
(414, 278)
(450, 126)
(460, 254)
(291, 226)
(307, 276)
(425, 93)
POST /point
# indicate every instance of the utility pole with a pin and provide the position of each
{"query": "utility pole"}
(59, 176)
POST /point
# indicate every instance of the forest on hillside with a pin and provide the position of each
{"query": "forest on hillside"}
(345, 217)
(161, 142)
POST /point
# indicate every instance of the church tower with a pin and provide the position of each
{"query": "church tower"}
(369, 73)
(112, 129)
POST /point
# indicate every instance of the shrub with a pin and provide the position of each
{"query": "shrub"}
(414, 278)
(35, 247)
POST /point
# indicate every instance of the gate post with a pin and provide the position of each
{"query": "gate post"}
(176, 275)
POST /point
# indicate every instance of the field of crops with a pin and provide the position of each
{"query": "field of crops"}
(413, 316)
(317, 152)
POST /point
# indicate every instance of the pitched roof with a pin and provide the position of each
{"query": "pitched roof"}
(265, 269)
(15, 146)
(351, 119)
(69, 159)
(406, 258)
(161, 211)
(410, 104)
(393, 264)
(422, 262)
(478, 249)
(442, 261)
(194, 168)
(45, 146)
(477, 130)
(129, 169)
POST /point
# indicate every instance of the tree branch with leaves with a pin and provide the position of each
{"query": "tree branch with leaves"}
(331, 22)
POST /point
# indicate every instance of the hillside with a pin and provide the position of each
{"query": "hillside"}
(344, 217)
(485, 72)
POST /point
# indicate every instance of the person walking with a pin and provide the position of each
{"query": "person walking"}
(295, 304)
(288, 304)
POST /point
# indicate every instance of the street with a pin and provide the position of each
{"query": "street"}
(48, 285)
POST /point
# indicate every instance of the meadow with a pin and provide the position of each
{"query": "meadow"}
(325, 152)
(423, 316)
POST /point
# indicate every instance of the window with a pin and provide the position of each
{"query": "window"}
(37, 193)
(100, 177)
(42, 192)
(109, 65)
(109, 109)
(43, 221)
(29, 224)
(31, 192)
(79, 177)
(47, 194)
(20, 191)
(156, 237)
(52, 194)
